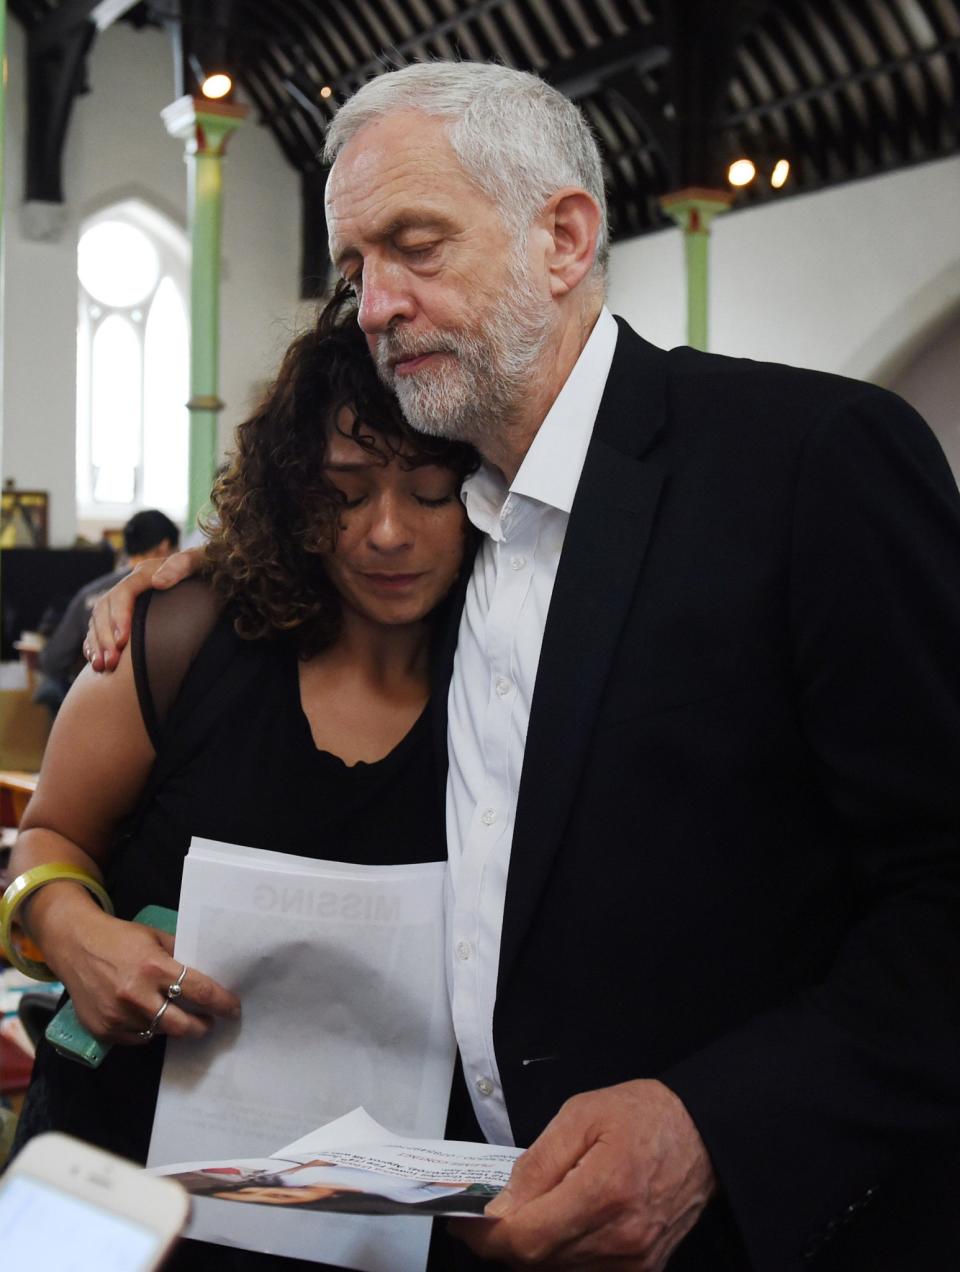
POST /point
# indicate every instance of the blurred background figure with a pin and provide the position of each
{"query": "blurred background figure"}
(149, 533)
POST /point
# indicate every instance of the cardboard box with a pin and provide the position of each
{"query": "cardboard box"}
(24, 728)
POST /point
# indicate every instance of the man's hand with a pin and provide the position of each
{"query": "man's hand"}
(617, 1179)
(109, 627)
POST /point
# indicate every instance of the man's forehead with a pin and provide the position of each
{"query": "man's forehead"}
(400, 132)
(400, 169)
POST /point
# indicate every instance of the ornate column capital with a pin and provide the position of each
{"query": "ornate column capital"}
(204, 125)
(695, 207)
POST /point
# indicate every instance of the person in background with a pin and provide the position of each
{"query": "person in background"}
(149, 533)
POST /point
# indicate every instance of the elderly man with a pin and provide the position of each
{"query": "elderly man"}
(703, 722)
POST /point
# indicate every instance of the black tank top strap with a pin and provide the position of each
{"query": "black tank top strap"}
(169, 630)
(188, 665)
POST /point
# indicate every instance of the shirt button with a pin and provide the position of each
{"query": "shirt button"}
(517, 562)
(503, 687)
(484, 1086)
(488, 816)
(463, 950)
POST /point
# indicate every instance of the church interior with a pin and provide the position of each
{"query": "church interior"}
(783, 179)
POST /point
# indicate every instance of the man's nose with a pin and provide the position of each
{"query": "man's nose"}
(384, 297)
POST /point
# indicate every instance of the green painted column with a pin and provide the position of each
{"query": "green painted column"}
(3, 190)
(3, 104)
(205, 126)
(693, 209)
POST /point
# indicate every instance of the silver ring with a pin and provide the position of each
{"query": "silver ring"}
(176, 989)
(151, 1029)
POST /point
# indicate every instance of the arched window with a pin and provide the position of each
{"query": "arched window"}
(133, 365)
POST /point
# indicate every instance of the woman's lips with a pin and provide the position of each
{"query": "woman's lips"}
(391, 582)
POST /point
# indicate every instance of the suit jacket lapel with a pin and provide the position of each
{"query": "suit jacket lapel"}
(606, 540)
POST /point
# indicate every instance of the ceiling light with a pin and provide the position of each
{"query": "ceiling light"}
(217, 85)
(326, 91)
(781, 170)
(741, 172)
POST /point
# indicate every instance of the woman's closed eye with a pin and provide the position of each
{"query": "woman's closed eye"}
(348, 500)
(427, 501)
(351, 498)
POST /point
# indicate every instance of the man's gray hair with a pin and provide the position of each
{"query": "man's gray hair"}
(517, 137)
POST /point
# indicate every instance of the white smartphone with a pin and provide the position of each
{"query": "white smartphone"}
(69, 1206)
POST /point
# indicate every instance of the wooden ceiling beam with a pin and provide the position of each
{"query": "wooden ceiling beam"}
(517, 55)
(952, 57)
(835, 143)
(930, 117)
(64, 21)
(362, 17)
(805, 145)
(353, 78)
(636, 52)
(703, 38)
(908, 116)
(866, 78)
(57, 49)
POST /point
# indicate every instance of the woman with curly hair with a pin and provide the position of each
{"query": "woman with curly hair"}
(290, 685)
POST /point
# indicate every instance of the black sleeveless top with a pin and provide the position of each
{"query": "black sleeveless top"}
(236, 761)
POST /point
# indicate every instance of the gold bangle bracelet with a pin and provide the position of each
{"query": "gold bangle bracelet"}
(24, 886)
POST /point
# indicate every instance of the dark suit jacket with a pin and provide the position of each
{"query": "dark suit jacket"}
(735, 864)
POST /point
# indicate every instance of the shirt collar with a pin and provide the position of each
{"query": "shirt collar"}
(551, 468)
(550, 472)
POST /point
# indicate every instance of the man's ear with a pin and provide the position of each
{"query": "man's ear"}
(572, 221)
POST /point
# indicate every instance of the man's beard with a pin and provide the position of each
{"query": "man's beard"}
(477, 391)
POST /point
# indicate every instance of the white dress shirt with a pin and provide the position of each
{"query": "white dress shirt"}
(498, 649)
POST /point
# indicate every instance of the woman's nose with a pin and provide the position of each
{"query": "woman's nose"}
(389, 527)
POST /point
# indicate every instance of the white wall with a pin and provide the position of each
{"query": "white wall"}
(854, 279)
(117, 146)
(833, 280)
(931, 382)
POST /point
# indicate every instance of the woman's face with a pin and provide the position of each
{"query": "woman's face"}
(273, 1196)
(401, 536)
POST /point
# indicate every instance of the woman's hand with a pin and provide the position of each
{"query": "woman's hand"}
(118, 975)
(109, 628)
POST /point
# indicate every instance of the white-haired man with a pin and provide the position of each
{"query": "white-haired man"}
(703, 717)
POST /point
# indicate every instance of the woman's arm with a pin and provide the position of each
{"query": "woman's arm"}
(95, 766)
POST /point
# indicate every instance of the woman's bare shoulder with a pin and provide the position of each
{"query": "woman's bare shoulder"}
(169, 630)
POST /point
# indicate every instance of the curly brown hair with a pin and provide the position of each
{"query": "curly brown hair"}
(275, 510)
